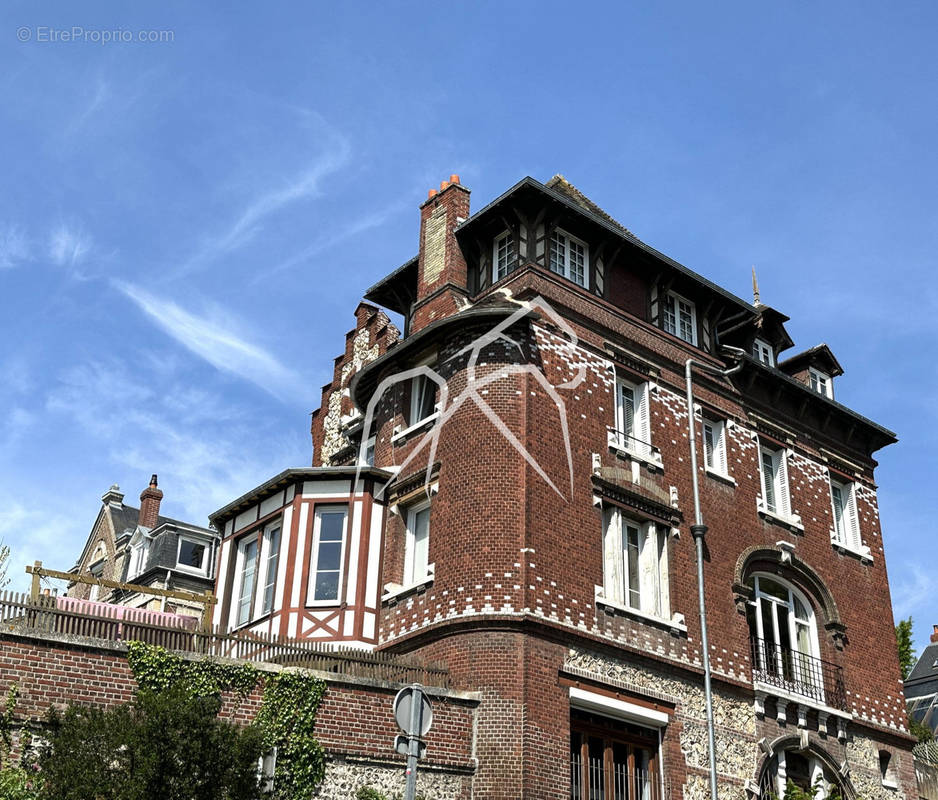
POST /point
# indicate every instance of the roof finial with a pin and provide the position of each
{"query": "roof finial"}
(755, 288)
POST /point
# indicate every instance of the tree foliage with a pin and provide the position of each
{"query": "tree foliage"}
(907, 656)
(168, 744)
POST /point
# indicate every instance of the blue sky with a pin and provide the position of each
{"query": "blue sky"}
(186, 226)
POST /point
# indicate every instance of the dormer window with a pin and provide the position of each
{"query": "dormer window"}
(503, 256)
(569, 257)
(821, 382)
(680, 318)
(762, 351)
(192, 555)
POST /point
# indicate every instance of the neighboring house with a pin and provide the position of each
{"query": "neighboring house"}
(921, 687)
(139, 546)
(551, 567)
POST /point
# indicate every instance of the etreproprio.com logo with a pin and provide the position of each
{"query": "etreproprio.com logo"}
(76, 34)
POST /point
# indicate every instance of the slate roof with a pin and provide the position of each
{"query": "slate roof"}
(924, 673)
(125, 518)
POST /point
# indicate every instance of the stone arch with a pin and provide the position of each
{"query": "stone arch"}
(783, 562)
(796, 743)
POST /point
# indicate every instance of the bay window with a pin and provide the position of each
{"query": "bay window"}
(328, 551)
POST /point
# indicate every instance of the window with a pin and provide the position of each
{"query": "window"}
(680, 318)
(762, 351)
(633, 430)
(846, 529)
(612, 759)
(821, 382)
(569, 257)
(97, 571)
(801, 769)
(784, 638)
(247, 558)
(271, 558)
(417, 545)
(503, 256)
(887, 772)
(774, 468)
(328, 551)
(422, 398)
(714, 437)
(635, 556)
(192, 555)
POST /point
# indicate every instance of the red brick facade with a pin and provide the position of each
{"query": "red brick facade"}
(517, 600)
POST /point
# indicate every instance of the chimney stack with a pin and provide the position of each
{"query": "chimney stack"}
(150, 505)
(442, 280)
(934, 633)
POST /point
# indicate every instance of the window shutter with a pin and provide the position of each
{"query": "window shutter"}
(654, 305)
(648, 570)
(721, 449)
(613, 587)
(853, 518)
(783, 501)
(642, 425)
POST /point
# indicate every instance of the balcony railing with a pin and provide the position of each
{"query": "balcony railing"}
(614, 780)
(798, 674)
(631, 444)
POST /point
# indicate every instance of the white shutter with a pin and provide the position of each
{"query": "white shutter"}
(648, 569)
(642, 425)
(783, 501)
(853, 518)
(654, 305)
(721, 450)
(664, 588)
(612, 555)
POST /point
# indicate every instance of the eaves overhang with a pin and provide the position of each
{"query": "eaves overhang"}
(290, 476)
(530, 183)
(877, 435)
(394, 291)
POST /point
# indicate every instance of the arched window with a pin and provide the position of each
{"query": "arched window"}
(783, 631)
(803, 769)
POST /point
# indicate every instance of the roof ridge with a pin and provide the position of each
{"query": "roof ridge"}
(560, 184)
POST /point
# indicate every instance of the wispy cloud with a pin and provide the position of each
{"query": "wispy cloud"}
(68, 246)
(268, 201)
(211, 339)
(324, 244)
(14, 248)
(98, 98)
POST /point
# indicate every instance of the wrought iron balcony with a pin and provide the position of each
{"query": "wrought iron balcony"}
(633, 446)
(798, 674)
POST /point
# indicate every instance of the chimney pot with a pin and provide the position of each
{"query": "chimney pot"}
(431, 194)
(934, 634)
(454, 179)
(443, 185)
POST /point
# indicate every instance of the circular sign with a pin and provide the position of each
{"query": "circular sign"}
(404, 708)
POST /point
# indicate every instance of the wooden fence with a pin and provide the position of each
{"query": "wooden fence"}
(926, 774)
(20, 613)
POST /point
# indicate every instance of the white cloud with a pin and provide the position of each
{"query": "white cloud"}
(33, 534)
(205, 452)
(14, 247)
(222, 347)
(268, 201)
(68, 246)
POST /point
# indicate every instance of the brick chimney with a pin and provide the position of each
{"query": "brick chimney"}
(150, 505)
(934, 633)
(441, 272)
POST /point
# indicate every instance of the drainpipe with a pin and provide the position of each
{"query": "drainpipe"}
(699, 530)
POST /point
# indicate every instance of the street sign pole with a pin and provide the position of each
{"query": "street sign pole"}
(414, 715)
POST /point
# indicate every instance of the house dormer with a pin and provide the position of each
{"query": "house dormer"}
(816, 368)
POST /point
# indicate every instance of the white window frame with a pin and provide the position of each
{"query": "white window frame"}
(672, 301)
(714, 432)
(845, 521)
(206, 546)
(636, 444)
(241, 600)
(809, 622)
(502, 268)
(420, 384)
(560, 250)
(821, 382)
(635, 576)
(416, 571)
(138, 558)
(311, 599)
(269, 554)
(777, 481)
(762, 352)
